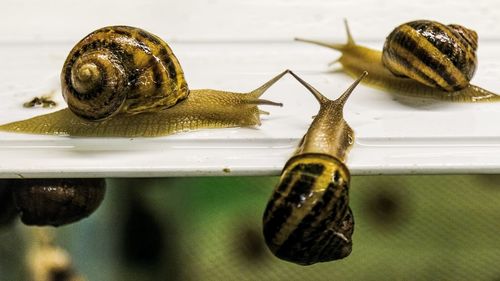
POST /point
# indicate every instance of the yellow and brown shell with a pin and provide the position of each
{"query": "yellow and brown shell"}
(308, 219)
(121, 69)
(437, 55)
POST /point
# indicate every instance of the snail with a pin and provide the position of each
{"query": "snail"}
(307, 219)
(57, 201)
(126, 82)
(420, 58)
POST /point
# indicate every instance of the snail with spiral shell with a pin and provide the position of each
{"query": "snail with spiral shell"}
(308, 219)
(124, 81)
(420, 58)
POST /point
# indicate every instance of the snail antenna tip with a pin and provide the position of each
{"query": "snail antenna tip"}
(320, 97)
(335, 46)
(350, 39)
(262, 89)
(342, 99)
(254, 96)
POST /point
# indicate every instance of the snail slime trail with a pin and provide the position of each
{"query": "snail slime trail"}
(308, 219)
(122, 81)
(421, 58)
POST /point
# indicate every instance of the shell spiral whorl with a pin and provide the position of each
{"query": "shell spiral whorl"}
(437, 55)
(121, 69)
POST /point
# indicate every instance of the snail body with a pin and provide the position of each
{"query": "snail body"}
(202, 109)
(123, 81)
(308, 220)
(356, 58)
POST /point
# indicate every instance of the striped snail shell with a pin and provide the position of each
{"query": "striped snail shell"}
(57, 201)
(437, 55)
(308, 219)
(121, 69)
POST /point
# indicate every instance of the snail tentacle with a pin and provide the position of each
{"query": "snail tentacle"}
(322, 99)
(336, 46)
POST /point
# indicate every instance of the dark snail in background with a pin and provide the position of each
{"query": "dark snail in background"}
(124, 81)
(308, 219)
(420, 58)
(8, 211)
(56, 202)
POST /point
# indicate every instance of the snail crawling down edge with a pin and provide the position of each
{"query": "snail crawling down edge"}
(420, 58)
(308, 219)
(122, 81)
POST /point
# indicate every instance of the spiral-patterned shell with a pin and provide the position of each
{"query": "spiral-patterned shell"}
(307, 219)
(121, 69)
(437, 55)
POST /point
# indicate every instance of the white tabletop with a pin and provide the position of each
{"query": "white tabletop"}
(394, 135)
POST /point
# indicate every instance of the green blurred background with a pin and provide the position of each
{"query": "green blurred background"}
(407, 228)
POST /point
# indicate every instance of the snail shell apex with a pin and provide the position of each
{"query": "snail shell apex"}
(437, 55)
(121, 69)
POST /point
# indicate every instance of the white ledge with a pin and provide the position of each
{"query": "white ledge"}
(393, 135)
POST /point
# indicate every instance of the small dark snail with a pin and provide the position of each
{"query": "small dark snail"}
(420, 58)
(130, 81)
(308, 220)
(57, 201)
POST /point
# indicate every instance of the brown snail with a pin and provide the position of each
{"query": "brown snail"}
(420, 58)
(308, 219)
(57, 201)
(131, 82)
